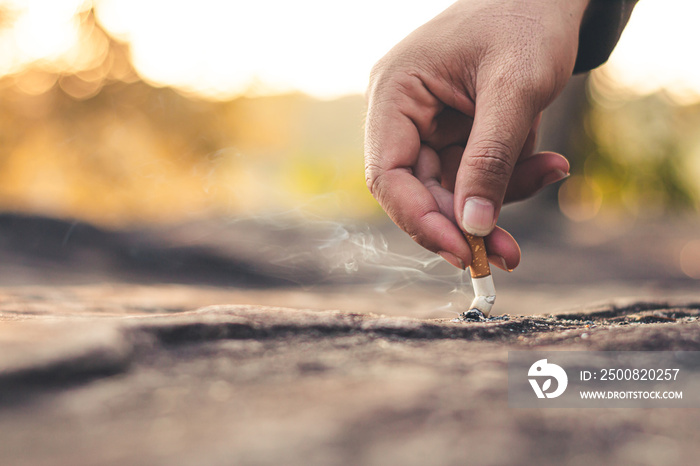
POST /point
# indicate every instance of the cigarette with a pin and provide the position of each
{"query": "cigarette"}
(482, 281)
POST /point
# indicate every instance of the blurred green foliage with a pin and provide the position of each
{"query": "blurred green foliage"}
(134, 153)
(89, 139)
(85, 137)
(640, 154)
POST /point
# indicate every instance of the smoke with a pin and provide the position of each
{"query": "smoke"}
(350, 250)
(355, 249)
(315, 251)
(310, 246)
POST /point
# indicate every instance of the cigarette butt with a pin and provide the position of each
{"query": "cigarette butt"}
(482, 281)
(484, 294)
(480, 261)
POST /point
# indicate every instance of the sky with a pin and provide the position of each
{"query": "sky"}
(222, 48)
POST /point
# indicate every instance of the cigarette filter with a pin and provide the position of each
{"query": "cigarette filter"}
(482, 281)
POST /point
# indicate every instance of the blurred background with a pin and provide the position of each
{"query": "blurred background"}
(218, 143)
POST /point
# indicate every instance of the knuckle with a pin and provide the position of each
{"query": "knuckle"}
(383, 72)
(492, 160)
(397, 75)
(373, 178)
(420, 239)
(420, 233)
(376, 73)
(529, 85)
(379, 75)
(539, 84)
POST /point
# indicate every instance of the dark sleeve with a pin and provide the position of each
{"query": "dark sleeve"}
(601, 28)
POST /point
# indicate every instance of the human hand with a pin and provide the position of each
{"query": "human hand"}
(452, 120)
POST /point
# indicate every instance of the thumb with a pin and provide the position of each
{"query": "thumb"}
(501, 127)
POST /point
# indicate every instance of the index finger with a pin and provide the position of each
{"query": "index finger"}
(392, 145)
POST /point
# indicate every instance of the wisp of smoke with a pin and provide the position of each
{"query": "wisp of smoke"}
(312, 250)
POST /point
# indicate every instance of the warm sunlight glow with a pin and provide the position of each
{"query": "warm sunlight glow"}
(122, 111)
(37, 30)
(658, 50)
(224, 48)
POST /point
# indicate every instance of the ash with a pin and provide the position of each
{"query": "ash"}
(475, 315)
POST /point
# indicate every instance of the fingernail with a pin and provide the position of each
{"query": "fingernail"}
(478, 216)
(452, 259)
(500, 262)
(553, 177)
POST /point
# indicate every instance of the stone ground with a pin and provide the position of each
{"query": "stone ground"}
(114, 375)
(323, 347)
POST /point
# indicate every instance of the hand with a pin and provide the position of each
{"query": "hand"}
(452, 120)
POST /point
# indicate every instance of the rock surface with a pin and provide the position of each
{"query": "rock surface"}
(90, 376)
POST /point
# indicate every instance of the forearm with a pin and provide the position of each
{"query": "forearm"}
(601, 28)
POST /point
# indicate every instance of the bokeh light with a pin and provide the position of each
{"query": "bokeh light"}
(690, 259)
(220, 49)
(122, 111)
(641, 140)
(579, 199)
(216, 49)
(657, 52)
